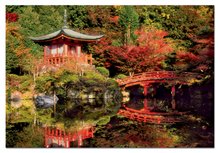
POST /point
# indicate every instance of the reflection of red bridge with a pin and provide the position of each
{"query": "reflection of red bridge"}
(151, 117)
(62, 139)
(145, 80)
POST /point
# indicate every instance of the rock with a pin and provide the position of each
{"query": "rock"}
(16, 99)
(16, 96)
(45, 101)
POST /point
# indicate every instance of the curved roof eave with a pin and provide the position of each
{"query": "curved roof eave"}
(69, 33)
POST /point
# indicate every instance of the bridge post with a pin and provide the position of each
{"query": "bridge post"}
(173, 102)
(145, 86)
(146, 108)
(145, 92)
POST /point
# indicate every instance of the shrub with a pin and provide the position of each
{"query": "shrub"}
(120, 76)
(103, 71)
(103, 120)
(21, 83)
(30, 137)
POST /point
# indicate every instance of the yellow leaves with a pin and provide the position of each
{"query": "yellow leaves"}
(12, 29)
(15, 44)
(204, 11)
(193, 80)
(164, 15)
(21, 50)
(60, 125)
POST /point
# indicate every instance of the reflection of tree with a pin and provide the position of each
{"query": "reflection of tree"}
(87, 110)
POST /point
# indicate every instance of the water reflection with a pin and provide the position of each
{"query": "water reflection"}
(148, 105)
(88, 108)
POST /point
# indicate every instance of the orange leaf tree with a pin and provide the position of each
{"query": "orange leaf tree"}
(149, 53)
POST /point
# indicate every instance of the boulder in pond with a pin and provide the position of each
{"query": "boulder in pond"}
(45, 101)
(16, 96)
(15, 99)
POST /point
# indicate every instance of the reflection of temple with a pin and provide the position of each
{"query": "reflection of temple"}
(59, 138)
(65, 45)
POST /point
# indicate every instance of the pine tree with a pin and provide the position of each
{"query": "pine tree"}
(128, 19)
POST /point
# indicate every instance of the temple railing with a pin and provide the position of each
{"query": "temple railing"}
(63, 139)
(57, 59)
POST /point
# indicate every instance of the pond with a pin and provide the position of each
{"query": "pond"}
(111, 129)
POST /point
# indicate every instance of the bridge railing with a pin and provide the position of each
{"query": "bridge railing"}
(156, 75)
(148, 76)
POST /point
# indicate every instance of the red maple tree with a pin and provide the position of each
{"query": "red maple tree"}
(147, 55)
(11, 17)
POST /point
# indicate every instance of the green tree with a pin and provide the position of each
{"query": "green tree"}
(179, 21)
(77, 16)
(12, 42)
(129, 21)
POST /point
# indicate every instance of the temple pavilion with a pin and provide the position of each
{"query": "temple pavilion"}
(65, 45)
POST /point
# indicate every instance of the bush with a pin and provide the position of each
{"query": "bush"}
(44, 83)
(104, 120)
(103, 71)
(120, 76)
(21, 83)
(93, 75)
(25, 86)
(30, 137)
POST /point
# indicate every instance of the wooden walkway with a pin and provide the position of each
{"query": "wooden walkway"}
(156, 76)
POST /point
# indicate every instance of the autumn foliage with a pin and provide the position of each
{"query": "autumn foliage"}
(11, 17)
(148, 54)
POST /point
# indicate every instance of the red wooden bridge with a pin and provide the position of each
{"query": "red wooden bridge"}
(156, 76)
(63, 139)
(145, 80)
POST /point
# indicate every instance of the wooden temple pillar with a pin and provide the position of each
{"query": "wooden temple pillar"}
(65, 51)
(45, 49)
(173, 102)
(78, 50)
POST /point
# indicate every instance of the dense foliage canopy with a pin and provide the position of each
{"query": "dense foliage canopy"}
(137, 38)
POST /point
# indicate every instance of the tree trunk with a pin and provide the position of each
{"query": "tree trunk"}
(54, 104)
